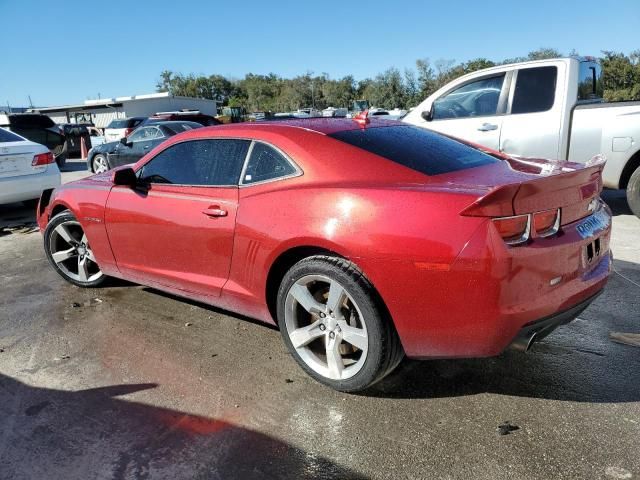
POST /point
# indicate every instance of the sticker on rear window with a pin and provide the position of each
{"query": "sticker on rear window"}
(593, 224)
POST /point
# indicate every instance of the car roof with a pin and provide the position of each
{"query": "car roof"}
(172, 122)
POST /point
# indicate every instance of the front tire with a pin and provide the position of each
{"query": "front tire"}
(100, 164)
(334, 324)
(69, 252)
(633, 192)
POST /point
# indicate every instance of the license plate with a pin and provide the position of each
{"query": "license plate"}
(593, 224)
(8, 165)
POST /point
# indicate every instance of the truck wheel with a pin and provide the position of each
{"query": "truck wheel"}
(633, 192)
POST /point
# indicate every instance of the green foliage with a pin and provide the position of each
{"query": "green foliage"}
(621, 76)
(389, 89)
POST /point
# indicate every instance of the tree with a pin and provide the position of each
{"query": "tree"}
(389, 89)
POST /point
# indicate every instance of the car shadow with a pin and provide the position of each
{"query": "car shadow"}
(617, 201)
(51, 433)
(16, 215)
(75, 165)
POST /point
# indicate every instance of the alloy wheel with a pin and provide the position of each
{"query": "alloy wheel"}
(71, 253)
(326, 327)
(100, 164)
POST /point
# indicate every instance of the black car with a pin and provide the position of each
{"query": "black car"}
(38, 128)
(130, 149)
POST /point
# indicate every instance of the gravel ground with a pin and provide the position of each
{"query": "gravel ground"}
(127, 382)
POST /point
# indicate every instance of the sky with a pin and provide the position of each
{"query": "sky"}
(61, 52)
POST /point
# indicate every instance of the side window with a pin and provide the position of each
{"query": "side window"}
(535, 90)
(266, 163)
(198, 162)
(139, 135)
(475, 99)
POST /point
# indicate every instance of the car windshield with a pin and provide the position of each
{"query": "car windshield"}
(417, 148)
(6, 136)
(122, 123)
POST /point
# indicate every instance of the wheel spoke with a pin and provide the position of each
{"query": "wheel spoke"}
(89, 255)
(83, 269)
(355, 336)
(334, 359)
(63, 255)
(65, 234)
(336, 297)
(305, 335)
(303, 296)
(84, 239)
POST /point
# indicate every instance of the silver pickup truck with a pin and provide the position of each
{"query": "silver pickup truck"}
(545, 109)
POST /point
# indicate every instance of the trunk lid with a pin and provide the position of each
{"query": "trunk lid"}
(16, 158)
(519, 186)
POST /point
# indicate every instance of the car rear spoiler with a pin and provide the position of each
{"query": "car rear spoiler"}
(559, 186)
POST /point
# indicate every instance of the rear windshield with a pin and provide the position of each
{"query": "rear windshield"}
(417, 148)
(125, 123)
(6, 136)
(30, 121)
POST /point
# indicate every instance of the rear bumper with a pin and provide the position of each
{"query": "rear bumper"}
(478, 305)
(534, 331)
(28, 187)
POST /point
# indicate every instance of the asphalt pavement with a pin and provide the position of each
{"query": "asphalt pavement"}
(127, 382)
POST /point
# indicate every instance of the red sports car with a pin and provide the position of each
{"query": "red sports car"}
(363, 240)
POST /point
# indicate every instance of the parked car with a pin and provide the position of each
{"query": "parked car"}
(73, 134)
(546, 108)
(183, 115)
(121, 127)
(130, 149)
(26, 169)
(39, 129)
(363, 240)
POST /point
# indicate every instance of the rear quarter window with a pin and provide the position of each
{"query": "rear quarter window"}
(416, 148)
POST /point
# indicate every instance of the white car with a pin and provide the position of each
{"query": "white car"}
(26, 169)
(121, 127)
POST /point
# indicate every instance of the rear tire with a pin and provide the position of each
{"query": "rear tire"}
(69, 252)
(334, 324)
(633, 192)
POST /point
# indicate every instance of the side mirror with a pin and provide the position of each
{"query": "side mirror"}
(125, 176)
(428, 114)
(125, 142)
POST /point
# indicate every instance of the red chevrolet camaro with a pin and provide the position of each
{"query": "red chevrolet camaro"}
(364, 241)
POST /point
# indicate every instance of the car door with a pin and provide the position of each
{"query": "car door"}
(178, 230)
(138, 144)
(472, 111)
(532, 126)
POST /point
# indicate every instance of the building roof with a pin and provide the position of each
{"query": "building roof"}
(100, 103)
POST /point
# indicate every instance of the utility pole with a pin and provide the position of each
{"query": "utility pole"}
(313, 97)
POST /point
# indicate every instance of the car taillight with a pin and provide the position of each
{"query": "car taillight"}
(127, 131)
(547, 222)
(42, 159)
(514, 230)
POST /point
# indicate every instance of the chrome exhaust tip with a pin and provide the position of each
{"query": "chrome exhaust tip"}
(523, 344)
